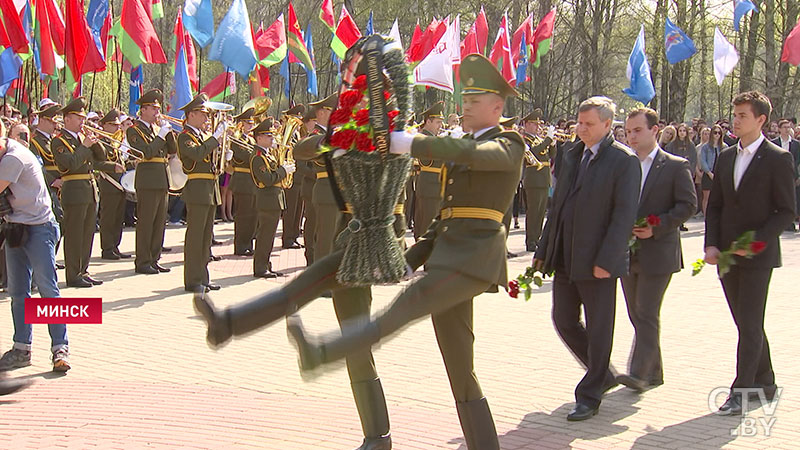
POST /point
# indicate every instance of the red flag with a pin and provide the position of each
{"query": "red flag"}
(482, 30)
(501, 53)
(220, 87)
(470, 43)
(139, 27)
(57, 28)
(791, 48)
(16, 34)
(415, 40)
(326, 14)
(182, 37)
(82, 55)
(429, 38)
(524, 29)
(46, 54)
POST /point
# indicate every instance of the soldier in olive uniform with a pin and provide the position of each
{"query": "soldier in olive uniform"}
(293, 213)
(509, 123)
(76, 156)
(271, 199)
(40, 142)
(428, 186)
(483, 170)
(112, 198)
(244, 191)
(536, 178)
(153, 142)
(307, 177)
(201, 193)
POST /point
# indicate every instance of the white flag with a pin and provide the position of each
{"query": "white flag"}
(395, 33)
(436, 70)
(725, 56)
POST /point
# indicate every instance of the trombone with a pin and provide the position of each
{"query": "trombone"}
(116, 141)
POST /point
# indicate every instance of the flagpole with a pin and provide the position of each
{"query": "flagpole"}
(200, 68)
(91, 94)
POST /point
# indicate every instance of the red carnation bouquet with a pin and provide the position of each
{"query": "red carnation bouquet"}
(746, 245)
(526, 281)
(650, 221)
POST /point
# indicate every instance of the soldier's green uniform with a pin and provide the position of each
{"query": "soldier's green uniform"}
(536, 181)
(307, 178)
(78, 197)
(152, 187)
(201, 195)
(293, 213)
(244, 192)
(112, 199)
(40, 143)
(428, 187)
(270, 202)
(508, 124)
(464, 252)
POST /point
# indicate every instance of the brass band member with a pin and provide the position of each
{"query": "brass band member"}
(307, 178)
(155, 142)
(294, 205)
(428, 188)
(325, 207)
(201, 193)
(536, 177)
(244, 198)
(76, 155)
(112, 198)
(46, 129)
(271, 199)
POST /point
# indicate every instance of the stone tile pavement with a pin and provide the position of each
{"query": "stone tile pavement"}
(146, 379)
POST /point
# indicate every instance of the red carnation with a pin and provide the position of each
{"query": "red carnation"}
(361, 83)
(386, 95)
(349, 99)
(343, 139)
(362, 117)
(653, 220)
(757, 247)
(392, 115)
(340, 116)
(513, 288)
(364, 143)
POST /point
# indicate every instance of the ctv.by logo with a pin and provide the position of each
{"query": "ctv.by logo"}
(749, 426)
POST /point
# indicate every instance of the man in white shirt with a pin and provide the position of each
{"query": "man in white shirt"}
(787, 142)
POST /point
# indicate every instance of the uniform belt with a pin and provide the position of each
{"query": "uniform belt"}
(53, 168)
(322, 175)
(398, 209)
(540, 165)
(467, 212)
(201, 176)
(154, 160)
(431, 169)
(241, 169)
(79, 176)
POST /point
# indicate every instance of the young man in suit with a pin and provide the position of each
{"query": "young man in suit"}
(585, 241)
(791, 145)
(666, 191)
(753, 190)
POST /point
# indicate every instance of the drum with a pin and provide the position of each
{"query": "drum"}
(128, 182)
(177, 178)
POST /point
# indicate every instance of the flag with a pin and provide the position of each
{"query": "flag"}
(156, 9)
(287, 77)
(326, 15)
(791, 48)
(271, 44)
(522, 64)
(44, 49)
(198, 19)
(394, 33)
(370, 30)
(524, 30)
(136, 86)
(137, 36)
(436, 70)
(482, 31)
(82, 55)
(638, 72)
(311, 73)
(182, 93)
(233, 44)
(416, 36)
(470, 43)
(297, 44)
(13, 25)
(57, 27)
(740, 9)
(501, 52)
(725, 56)
(26, 16)
(677, 44)
(221, 86)
(98, 17)
(183, 40)
(543, 37)
(10, 62)
(346, 34)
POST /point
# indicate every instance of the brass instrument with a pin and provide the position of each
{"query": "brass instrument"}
(172, 120)
(218, 155)
(559, 136)
(286, 141)
(260, 106)
(116, 141)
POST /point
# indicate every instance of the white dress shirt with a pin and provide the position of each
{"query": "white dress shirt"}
(785, 144)
(646, 164)
(479, 133)
(743, 158)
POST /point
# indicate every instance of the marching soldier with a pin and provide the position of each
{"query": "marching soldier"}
(45, 131)
(154, 143)
(428, 187)
(201, 193)
(294, 205)
(76, 155)
(271, 199)
(307, 178)
(244, 198)
(112, 198)
(536, 177)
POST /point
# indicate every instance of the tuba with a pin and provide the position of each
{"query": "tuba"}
(287, 137)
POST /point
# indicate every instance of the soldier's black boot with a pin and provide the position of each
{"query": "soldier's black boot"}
(371, 405)
(316, 351)
(242, 318)
(478, 425)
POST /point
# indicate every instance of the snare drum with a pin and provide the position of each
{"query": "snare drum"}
(128, 181)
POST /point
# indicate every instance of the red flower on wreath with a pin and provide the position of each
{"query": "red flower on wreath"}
(362, 117)
(350, 98)
(364, 143)
(757, 247)
(387, 95)
(340, 116)
(653, 220)
(392, 116)
(360, 84)
(343, 139)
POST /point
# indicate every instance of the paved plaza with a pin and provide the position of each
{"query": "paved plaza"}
(146, 379)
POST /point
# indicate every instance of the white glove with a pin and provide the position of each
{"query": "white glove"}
(228, 154)
(338, 152)
(551, 131)
(220, 130)
(400, 142)
(289, 168)
(164, 130)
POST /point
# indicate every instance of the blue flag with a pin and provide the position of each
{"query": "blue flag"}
(311, 74)
(233, 43)
(522, 65)
(137, 76)
(287, 78)
(677, 44)
(183, 89)
(638, 73)
(198, 20)
(10, 64)
(740, 8)
(96, 17)
(370, 29)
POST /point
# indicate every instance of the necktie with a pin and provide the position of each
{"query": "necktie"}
(587, 156)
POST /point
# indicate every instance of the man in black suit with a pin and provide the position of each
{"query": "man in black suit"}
(667, 191)
(791, 145)
(585, 241)
(753, 190)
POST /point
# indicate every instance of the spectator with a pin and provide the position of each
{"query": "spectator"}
(708, 160)
(668, 134)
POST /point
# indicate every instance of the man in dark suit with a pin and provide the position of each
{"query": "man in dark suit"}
(753, 190)
(588, 251)
(667, 191)
(791, 145)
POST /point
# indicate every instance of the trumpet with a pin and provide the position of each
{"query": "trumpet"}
(173, 121)
(116, 141)
(559, 136)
